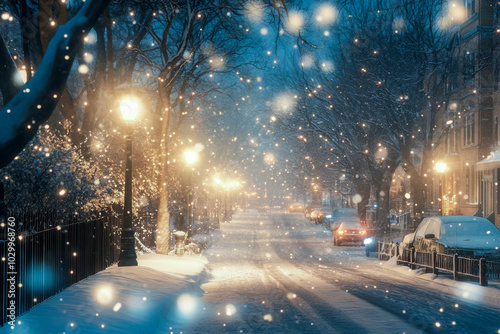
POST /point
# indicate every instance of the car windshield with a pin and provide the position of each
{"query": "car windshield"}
(479, 228)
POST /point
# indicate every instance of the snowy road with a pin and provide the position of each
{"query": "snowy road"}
(279, 273)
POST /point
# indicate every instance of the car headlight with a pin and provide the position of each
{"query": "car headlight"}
(367, 241)
(328, 216)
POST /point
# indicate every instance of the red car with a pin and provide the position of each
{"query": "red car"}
(349, 232)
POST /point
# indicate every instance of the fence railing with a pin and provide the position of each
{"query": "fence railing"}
(48, 261)
(435, 262)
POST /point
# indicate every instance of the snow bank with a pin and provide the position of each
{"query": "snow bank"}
(466, 289)
(160, 292)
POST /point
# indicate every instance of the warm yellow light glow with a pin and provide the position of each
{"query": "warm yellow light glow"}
(191, 157)
(441, 167)
(129, 108)
(24, 75)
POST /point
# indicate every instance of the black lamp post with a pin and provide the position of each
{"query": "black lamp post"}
(129, 109)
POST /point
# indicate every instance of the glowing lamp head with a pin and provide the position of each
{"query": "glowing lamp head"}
(129, 108)
(190, 157)
(441, 167)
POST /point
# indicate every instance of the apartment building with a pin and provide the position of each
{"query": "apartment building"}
(467, 149)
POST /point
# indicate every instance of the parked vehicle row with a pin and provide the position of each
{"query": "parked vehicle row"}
(467, 236)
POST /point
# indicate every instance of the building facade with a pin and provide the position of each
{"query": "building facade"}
(466, 136)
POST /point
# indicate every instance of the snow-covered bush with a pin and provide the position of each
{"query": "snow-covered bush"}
(50, 175)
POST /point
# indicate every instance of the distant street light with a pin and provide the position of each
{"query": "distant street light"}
(190, 157)
(128, 257)
(441, 167)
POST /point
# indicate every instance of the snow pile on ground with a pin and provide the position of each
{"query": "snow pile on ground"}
(467, 289)
(162, 291)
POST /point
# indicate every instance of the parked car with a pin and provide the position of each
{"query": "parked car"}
(309, 209)
(296, 207)
(321, 213)
(339, 215)
(349, 231)
(467, 236)
(317, 213)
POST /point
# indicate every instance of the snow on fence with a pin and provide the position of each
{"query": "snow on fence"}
(48, 261)
(435, 262)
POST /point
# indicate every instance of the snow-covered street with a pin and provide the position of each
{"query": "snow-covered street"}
(279, 273)
(269, 273)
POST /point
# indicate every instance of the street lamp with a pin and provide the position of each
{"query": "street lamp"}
(129, 108)
(441, 168)
(190, 157)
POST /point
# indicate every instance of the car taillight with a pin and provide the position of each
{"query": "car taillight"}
(362, 231)
(341, 232)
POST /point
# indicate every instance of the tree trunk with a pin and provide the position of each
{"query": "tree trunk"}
(163, 220)
(363, 189)
(382, 185)
(382, 212)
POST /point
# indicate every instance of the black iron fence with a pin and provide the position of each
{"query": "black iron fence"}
(37, 265)
(435, 262)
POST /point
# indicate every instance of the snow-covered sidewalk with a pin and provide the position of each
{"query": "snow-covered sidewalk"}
(149, 298)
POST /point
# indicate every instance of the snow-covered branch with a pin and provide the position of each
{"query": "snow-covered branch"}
(34, 103)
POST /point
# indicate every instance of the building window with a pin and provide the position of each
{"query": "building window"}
(469, 130)
(469, 68)
(470, 6)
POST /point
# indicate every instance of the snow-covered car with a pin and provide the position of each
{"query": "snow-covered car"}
(309, 209)
(321, 213)
(349, 231)
(467, 236)
(296, 207)
(317, 213)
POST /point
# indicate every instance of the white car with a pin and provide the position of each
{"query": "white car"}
(468, 236)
